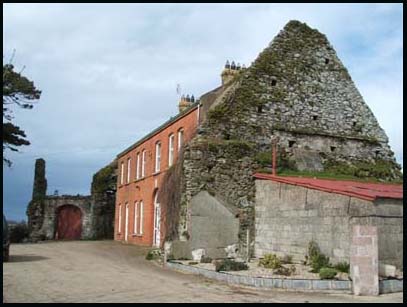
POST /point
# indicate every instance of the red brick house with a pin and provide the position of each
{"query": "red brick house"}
(141, 169)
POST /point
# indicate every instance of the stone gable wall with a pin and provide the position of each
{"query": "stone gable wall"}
(298, 90)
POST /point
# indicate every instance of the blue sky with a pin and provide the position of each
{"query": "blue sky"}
(108, 73)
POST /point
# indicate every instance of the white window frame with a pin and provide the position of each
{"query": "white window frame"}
(128, 169)
(120, 219)
(138, 166)
(122, 173)
(141, 217)
(157, 156)
(171, 149)
(180, 138)
(136, 216)
(143, 164)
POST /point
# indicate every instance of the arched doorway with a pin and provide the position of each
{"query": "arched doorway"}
(69, 223)
(157, 221)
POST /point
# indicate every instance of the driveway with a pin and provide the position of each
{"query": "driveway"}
(108, 271)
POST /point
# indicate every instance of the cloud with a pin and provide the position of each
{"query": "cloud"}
(108, 72)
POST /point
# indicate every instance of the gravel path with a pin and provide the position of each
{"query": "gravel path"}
(108, 271)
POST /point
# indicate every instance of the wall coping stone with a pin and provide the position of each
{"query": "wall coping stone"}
(307, 285)
(334, 286)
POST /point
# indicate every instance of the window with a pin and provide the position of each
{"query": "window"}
(314, 117)
(122, 173)
(291, 143)
(141, 218)
(136, 216)
(128, 169)
(120, 218)
(273, 82)
(260, 109)
(157, 156)
(326, 61)
(180, 139)
(138, 166)
(143, 164)
(333, 148)
(170, 150)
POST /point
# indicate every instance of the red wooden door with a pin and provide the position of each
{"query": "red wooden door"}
(69, 223)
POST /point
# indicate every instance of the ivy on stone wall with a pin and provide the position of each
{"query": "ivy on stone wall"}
(40, 182)
(170, 198)
(104, 179)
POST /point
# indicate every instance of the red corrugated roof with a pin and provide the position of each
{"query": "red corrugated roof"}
(363, 190)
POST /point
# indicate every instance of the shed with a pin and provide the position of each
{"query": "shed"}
(292, 211)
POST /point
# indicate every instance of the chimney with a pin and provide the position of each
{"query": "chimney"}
(230, 71)
(184, 103)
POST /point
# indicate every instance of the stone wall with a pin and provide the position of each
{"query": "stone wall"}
(97, 209)
(42, 216)
(288, 217)
(224, 169)
(299, 91)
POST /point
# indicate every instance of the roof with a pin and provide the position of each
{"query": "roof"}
(162, 127)
(363, 190)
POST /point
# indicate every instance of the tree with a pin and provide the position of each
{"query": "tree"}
(17, 90)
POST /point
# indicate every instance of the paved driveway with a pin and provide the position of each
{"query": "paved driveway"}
(108, 271)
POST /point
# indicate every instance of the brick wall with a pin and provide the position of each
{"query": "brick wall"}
(144, 189)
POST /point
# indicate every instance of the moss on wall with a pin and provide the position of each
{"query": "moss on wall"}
(383, 170)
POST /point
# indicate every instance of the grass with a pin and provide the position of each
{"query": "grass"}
(329, 175)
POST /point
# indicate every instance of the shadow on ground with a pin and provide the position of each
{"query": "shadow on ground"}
(26, 258)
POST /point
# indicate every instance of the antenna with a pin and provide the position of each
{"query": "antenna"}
(178, 89)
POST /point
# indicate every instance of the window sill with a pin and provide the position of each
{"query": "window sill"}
(136, 235)
(156, 173)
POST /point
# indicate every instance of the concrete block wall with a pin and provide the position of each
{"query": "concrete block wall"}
(288, 217)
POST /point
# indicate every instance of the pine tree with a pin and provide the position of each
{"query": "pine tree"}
(17, 90)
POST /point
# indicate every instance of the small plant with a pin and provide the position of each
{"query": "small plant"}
(153, 254)
(205, 259)
(342, 267)
(317, 260)
(230, 265)
(270, 261)
(285, 271)
(327, 273)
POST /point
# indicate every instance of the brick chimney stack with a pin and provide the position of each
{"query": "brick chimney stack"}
(230, 71)
(185, 102)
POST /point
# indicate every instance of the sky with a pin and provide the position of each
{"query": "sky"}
(109, 72)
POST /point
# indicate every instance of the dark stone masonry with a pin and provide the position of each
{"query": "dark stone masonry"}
(57, 217)
(298, 92)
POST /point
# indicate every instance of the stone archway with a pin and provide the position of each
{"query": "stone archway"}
(68, 223)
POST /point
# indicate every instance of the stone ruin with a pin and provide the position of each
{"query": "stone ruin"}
(72, 217)
(298, 92)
